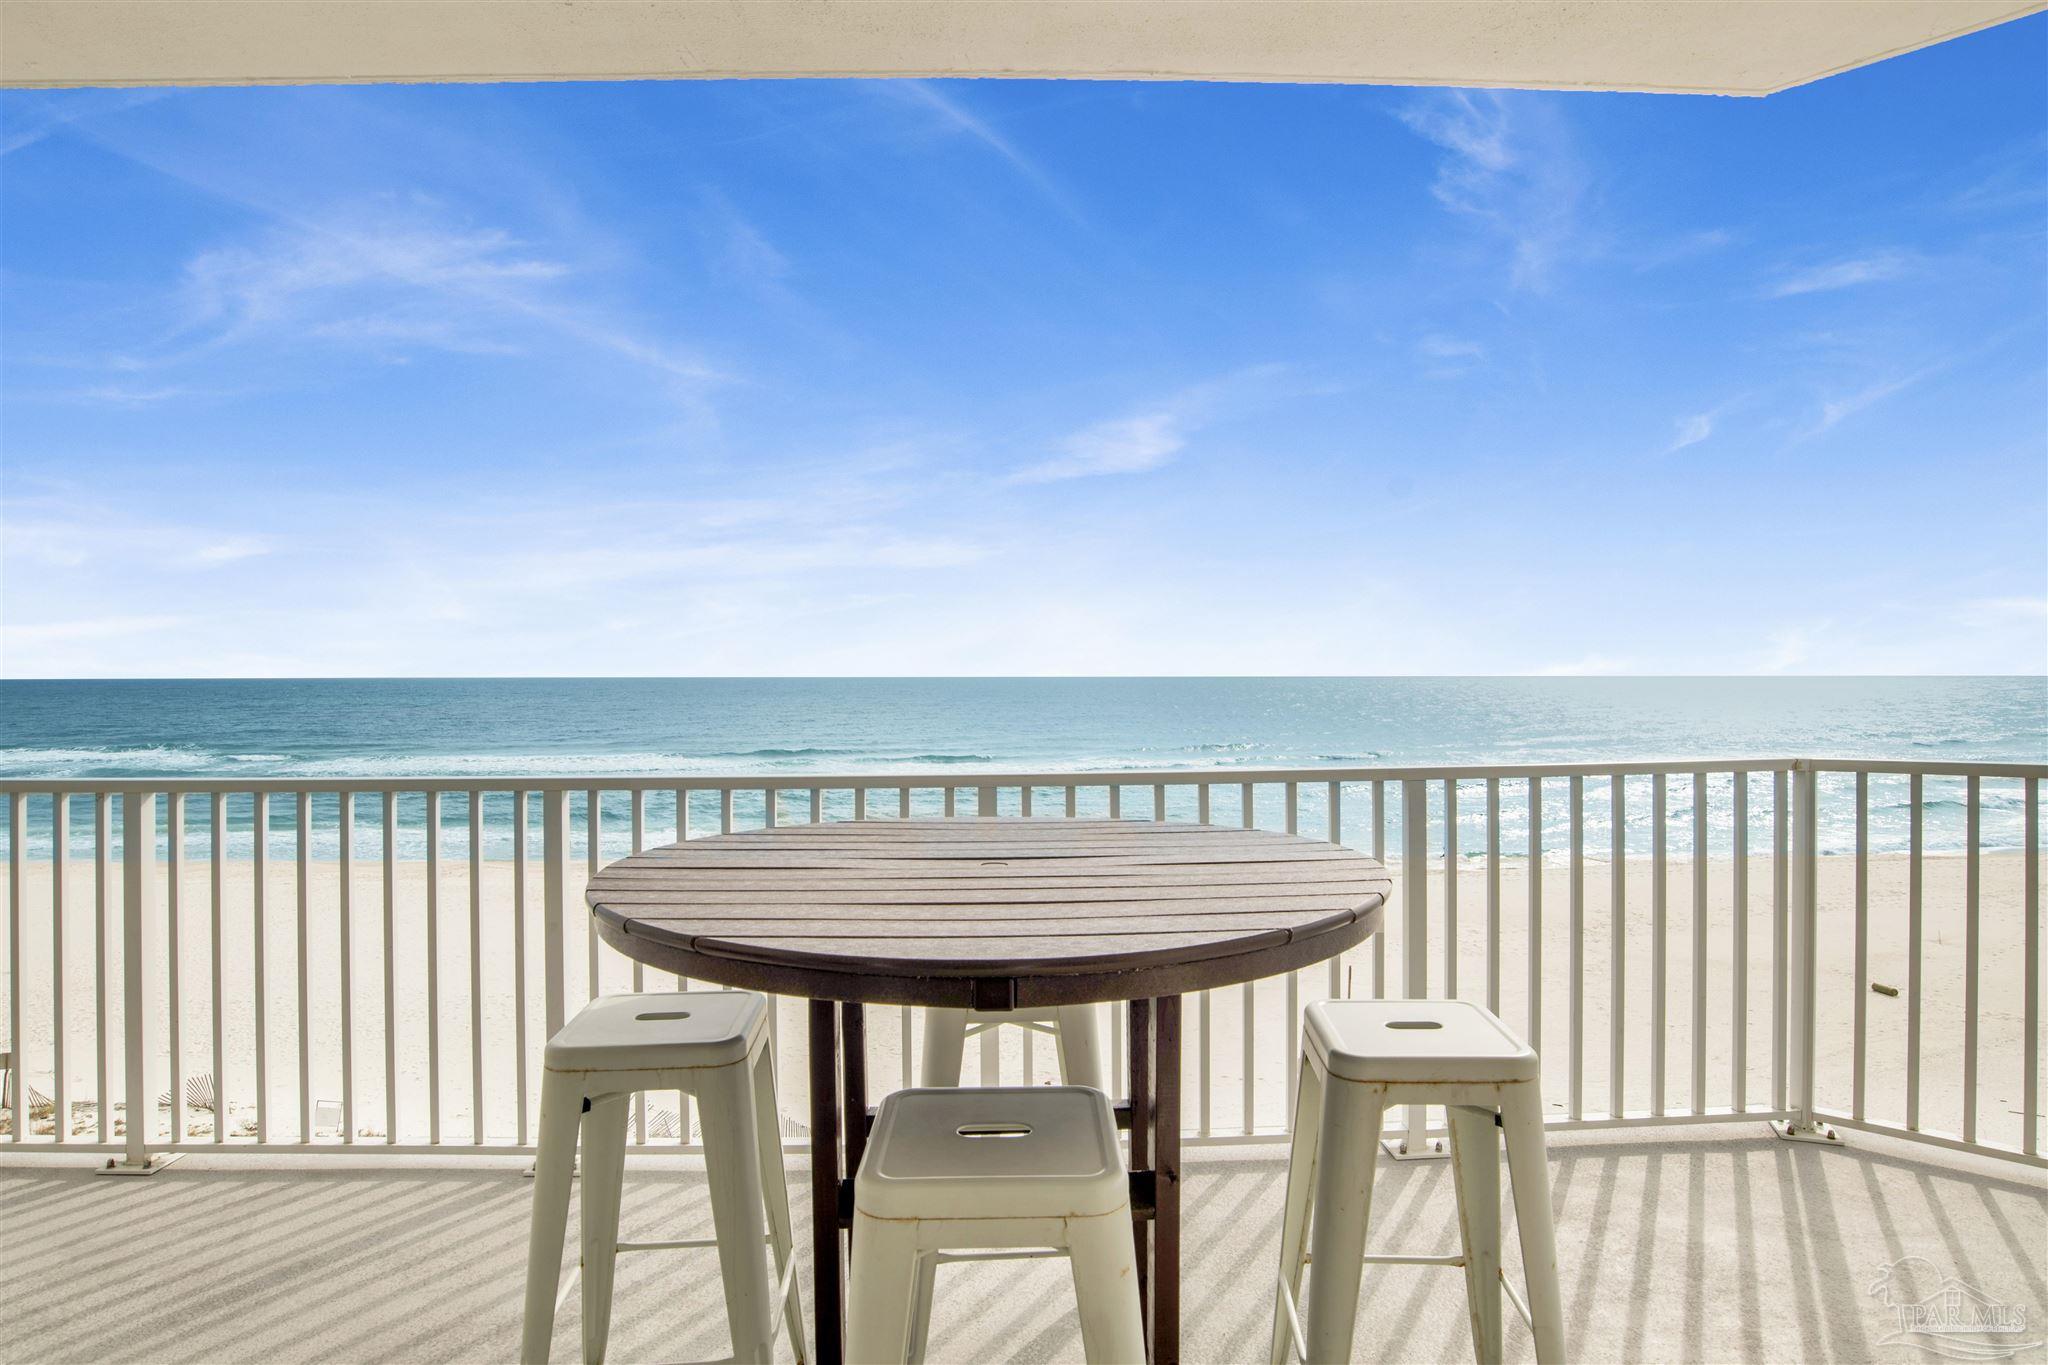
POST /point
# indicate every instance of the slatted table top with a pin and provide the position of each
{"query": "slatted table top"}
(988, 913)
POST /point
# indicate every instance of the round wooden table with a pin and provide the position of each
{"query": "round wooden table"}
(991, 913)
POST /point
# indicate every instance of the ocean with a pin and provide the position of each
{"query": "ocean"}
(470, 729)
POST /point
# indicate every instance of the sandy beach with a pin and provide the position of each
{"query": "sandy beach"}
(492, 965)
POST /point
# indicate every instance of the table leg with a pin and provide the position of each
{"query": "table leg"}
(827, 1285)
(854, 1069)
(1166, 1166)
(1141, 1134)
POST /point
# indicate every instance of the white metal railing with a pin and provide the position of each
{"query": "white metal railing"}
(379, 985)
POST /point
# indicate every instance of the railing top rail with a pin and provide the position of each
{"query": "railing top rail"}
(961, 778)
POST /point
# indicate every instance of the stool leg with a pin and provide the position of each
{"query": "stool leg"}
(1475, 1166)
(1528, 1165)
(879, 1300)
(732, 1161)
(1301, 1190)
(1080, 1041)
(1352, 1115)
(775, 1193)
(1106, 1289)
(921, 1305)
(945, 1041)
(561, 1112)
(604, 1171)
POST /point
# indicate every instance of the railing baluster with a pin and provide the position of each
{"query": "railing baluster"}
(1913, 922)
(434, 968)
(60, 867)
(102, 877)
(1699, 943)
(1738, 1027)
(174, 906)
(593, 858)
(260, 898)
(1073, 804)
(1535, 963)
(1247, 815)
(476, 968)
(1617, 949)
(390, 908)
(302, 860)
(1414, 924)
(1116, 795)
(639, 830)
(1336, 813)
(142, 948)
(1861, 987)
(1780, 874)
(1379, 853)
(860, 803)
(1576, 992)
(1493, 894)
(17, 914)
(1450, 888)
(1292, 797)
(1801, 976)
(1972, 880)
(218, 847)
(521, 816)
(903, 805)
(345, 819)
(1659, 945)
(2030, 1008)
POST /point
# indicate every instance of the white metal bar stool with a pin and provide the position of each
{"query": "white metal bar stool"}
(1357, 1057)
(997, 1169)
(714, 1046)
(1076, 1029)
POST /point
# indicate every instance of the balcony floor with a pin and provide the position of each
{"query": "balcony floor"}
(1699, 1244)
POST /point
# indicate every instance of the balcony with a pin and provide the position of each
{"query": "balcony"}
(320, 985)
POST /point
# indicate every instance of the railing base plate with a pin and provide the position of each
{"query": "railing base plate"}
(156, 1162)
(1806, 1132)
(1432, 1149)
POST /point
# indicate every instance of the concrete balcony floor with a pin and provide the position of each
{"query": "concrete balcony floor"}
(1701, 1244)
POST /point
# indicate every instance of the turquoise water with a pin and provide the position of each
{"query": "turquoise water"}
(470, 729)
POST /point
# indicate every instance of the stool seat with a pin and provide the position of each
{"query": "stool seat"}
(1004, 1151)
(660, 1031)
(1399, 1042)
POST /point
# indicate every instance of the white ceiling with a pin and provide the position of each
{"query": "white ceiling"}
(1729, 47)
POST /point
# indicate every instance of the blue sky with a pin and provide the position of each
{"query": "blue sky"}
(1033, 377)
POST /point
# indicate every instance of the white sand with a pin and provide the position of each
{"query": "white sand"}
(1999, 1040)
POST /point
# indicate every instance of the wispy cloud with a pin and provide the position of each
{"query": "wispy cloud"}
(1509, 165)
(1123, 445)
(1691, 431)
(1446, 356)
(954, 114)
(1839, 409)
(1871, 268)
(1146, 439)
